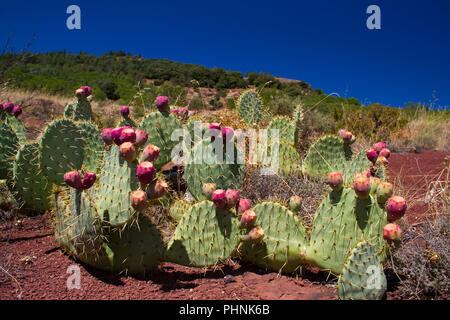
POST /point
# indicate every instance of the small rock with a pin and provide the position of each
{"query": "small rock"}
(228, 279)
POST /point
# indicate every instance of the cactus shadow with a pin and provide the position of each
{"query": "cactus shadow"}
(362, 211)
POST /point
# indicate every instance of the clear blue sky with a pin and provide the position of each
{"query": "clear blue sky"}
(325, 43)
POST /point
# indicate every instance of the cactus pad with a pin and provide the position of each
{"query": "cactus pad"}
(204, 236)
(9, 144)
(17, 126)
(93, 145)
(362, 277)
(284, 243)
(249, 106)
(285, 126)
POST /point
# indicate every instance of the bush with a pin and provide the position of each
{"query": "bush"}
(231, 103)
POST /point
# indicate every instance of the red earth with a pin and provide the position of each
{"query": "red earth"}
(33, 267)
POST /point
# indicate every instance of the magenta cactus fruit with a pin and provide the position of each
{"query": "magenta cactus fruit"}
(79, 93)
(107, 137)
(392, 232)
(232, 197)
(175, 111)
(341, 132)
(138, 199)
(255, 234)
(361, 186)
(385, 190)
(127, 135)
(8, 107)
(374, 183)
(248, 219)
(115, 135)
(127, 151)
(125, 111)
(347, 136)
(335, 181)
(73, 179)
(227, 133)
(244, 205)
(88, 180)
(162, 103)
(385, 153)
(183, 112)
(1, 108)
(150, 153)
(219, 198)
(372, 155)
(145, 172)
(295, 203)
(87, 91)
(208, 189)
(395, 208)
(17, 111)
(379, 146)
(157, 189)
(141, 138)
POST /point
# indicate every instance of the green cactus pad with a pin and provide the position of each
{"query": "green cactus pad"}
(127, 122)
(289, 161)
(61, 150)
(204, 236)
(284, 243)
(68, 110)
(17, 126)
(178, 209)
(93, 145)
(137, 248)
(362, 277)
(285, 126)
(190, 126)
(249, 106)
(79, 111)
(159, 126)
(215, 169)
(340, 222)
(30, 183)
(297, 119)
(9, 144)
(116, 181)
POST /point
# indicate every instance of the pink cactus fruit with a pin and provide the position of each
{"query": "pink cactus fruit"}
(255, 234)
(162, 103)
(372, 155)
(385, 190)
(361, 186)
(295, 203)
(227, 133)
(106, 136)
(379, 146)
(73, 179)
(335, 181)
(341, 132)
(244, 205)
(127, 135)
(183, 112)
(138, 199)
(87, 91)
(248, 219)
(145, 172)
(374, 183)
(175, 111)
(347, 137)
(382, 161)
(208, 189)
(115, 134)
(219, 198)
(79, 93)
(141, 138)
(8, 107)
(17, 111)
(392, 232)
(157, 189)
(88, 180)
(385, 153)
(125, 111)
(127, 151)
(214, 129)
(150, 153)
(232, 197)
(395, 208)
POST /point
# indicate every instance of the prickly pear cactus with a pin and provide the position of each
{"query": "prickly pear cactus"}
(178, 209)
(204, 236)
(30, 184)
(203, 165)
(17, 126)
(284, 243)
(297, 119)
(285, 127)
(127, 122)
(289, 161)
(249, 106)
(93, 145)
(61, 149)
(9, 144)
(160, 126)
(116, 181)
(362, 277)
(79, 111)
(340, 222)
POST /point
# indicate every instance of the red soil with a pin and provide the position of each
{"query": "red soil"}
(45, 275)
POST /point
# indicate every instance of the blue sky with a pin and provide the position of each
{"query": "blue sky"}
(325, 43)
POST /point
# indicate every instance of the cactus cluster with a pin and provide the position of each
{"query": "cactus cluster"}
(103, 184)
